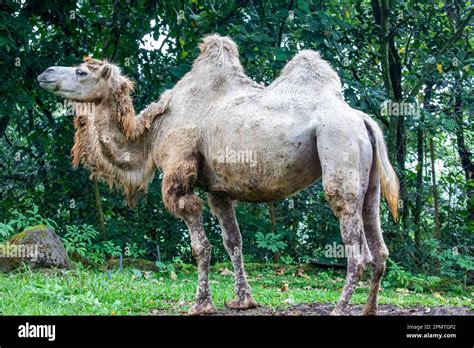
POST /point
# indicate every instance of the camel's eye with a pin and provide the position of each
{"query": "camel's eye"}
(81, 72)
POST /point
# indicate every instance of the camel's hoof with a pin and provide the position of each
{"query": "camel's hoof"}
(202, 309)
(241, 304)
(369, 310)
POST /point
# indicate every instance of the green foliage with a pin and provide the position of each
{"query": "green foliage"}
(6, 231)
(269, 242)
(165, 267)
(36, 136)
(79, 239)
(398, 277)
(133, 292)
(133, 250)
(83, 240)
(31, 217)
(287, 260)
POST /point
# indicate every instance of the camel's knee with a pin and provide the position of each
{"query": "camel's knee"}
(343, 200)
(177, 191)
(182, 205)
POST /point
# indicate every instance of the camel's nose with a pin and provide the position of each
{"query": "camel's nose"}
(44, 76)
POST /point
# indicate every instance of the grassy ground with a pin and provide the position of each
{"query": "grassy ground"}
(130, 292)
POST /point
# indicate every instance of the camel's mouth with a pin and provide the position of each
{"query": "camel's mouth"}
(51, 86)
(46, 83)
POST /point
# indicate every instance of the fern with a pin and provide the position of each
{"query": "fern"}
(270, 242)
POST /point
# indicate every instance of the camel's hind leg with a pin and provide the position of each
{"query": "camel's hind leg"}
(373, 231)
(345, 178)
(223, 208)
(358, 254)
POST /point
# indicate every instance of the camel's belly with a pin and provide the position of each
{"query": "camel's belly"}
(263, 173)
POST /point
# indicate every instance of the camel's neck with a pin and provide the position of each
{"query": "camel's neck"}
(114, 145)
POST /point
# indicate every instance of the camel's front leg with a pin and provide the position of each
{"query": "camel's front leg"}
(202, 252)
(178, 198)
(223, 208)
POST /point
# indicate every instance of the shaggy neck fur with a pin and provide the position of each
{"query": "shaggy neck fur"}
(114, 144)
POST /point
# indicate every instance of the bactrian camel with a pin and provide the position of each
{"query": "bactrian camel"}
(200, 133)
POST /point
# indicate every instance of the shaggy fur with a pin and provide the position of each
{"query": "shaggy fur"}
(238, 140)
(108, 130)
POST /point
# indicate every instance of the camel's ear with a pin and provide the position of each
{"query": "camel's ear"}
(106, 72)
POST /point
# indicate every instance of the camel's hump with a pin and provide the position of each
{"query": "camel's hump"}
(218, 43)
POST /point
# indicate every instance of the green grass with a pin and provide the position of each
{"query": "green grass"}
(90, 292)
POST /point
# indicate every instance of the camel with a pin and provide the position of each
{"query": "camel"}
(238, 141)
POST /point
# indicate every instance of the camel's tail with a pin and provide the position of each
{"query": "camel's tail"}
(388, 177)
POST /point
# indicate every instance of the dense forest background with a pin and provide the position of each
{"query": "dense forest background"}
(408, 64)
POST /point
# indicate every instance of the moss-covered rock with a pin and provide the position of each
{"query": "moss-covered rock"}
(37, 246)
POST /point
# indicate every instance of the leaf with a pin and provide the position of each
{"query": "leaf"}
(285, 287)
(439, 67)
(303, 5)
(280, 54)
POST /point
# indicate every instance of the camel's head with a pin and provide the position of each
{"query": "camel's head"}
(92, 81)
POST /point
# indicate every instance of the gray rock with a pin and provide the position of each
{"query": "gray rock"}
(38, 246)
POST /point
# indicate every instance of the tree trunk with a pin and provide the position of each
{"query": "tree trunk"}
(435, 192)
(391, 74)
(465, 154)
(401, 154)
(4, 124)
(271, 212)
(381, 12)
(419, 183)
(420, 164)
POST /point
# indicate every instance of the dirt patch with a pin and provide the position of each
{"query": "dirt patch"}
(325, 309)
(320, 309)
